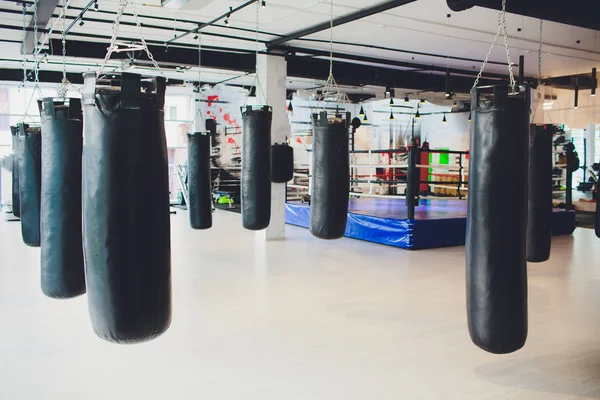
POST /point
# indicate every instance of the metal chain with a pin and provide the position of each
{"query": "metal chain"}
(539, 77)
(256, 82)
(513, 82)
(148, 53)
(199, 76)
(62, 93)
(501, 29)
(35, 41)
(24, 36)
(331, 39)
(36, 88)
(113, 38)
(539, 80)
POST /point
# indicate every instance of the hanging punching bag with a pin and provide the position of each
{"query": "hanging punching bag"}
(30, 177)
(256, 167)
(16, 198)
(126, 220)
(282, 156)
(331, 176)
(539, 209)
(60, 224)
(199, 181)
(597, 217)
(497, 221)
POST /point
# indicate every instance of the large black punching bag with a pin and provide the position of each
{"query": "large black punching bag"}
(30, 179)
(497, 221)
(63, 273)
(126, 220)
(539, 210)
(16, 198)
(331, 176)
(199, 180)
(256, 167)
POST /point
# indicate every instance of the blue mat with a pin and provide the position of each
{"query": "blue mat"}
(437, 223)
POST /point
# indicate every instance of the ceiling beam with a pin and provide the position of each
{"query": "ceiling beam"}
(365, 12)
(346, 73)
(384, 61)
(44, 13)
(581, 13)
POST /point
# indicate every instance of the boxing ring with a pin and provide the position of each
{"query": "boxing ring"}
(419, 221)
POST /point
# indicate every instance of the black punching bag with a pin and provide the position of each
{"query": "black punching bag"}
(282, 157)
(497, 221)
(16, 198)
(597, 217)
(256, 167)
(63, 273)
(30, 179)
(539, 210)
(199, 180)
(331, 176)
(126, 220)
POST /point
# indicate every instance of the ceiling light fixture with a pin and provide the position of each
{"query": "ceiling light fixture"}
(290, 108)
(365, 119)
(422, 101)
(455, 103)
(96, 5)
(444, 120)
(469, 119)
(391, 101)
(264, 3)
(81, 23)
(406, 99)
(392, 116)
(362, 112)
(417, 115)
(226, 22)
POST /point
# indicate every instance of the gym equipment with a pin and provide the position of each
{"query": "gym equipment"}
(30, 176)
(256, 167)
(539, 209)
(283, 163)
(199, 180)
(16, 198)
(126, 219)
(61, 223)
(496, 223)
(331, 176)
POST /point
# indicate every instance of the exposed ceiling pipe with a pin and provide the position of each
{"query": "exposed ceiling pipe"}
(365, 12)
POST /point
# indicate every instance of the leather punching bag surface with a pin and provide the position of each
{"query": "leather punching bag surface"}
(16, 198)
(30, 177)
(199, 180)
(331, 178)
(597, 217)
(283, 163)
(256, 167)
(539, 220)
(63, 273)
(126, 216)
(497, 221)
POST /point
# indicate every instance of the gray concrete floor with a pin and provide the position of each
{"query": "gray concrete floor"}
(304, 319)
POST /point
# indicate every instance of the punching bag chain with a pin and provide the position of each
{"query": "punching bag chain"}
(120, 47)
(501, 29)
(65, 83)
(539, 77)
(331, 91)
(36, 87)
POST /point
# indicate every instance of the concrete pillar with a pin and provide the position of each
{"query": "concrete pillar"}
(272, 77)
(590, 141)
